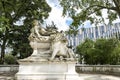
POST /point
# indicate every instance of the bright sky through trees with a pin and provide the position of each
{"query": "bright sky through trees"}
(63, 22)
(56, 16)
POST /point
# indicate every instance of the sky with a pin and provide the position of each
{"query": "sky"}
(56, 16)
(63, 22)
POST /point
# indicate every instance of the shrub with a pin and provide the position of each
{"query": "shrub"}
(0, 61)
(10, 59)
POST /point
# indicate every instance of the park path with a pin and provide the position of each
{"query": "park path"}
(10, 76)
(7, 76)
(98, 77)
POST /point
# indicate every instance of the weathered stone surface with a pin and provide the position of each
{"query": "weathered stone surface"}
(51, 58)
(49, 43)
(47, 70)
(99, 69)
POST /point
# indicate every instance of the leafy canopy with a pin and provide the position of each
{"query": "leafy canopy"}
(82, 10)
(14, 11)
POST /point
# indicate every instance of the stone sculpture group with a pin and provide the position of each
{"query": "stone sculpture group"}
(57, 48)
(51, 58)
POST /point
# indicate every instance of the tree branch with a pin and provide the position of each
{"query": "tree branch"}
(18, 11)
(117, 4)
(102, 7)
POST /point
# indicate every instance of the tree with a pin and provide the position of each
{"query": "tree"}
(82, 10)
(20, 43)
(115, 56)
(13, 11)
(106, 48)
(101, 51)
(83, 50)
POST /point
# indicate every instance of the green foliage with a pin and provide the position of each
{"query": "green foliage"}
(84, 48)
(82, 10)
(1, 61)
(73, 30)
(10, 59)
(101, 51)
(20, 43)
(13, 35)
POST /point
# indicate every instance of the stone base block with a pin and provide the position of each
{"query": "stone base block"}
(48, 76)
(46, 70)
(41, 76)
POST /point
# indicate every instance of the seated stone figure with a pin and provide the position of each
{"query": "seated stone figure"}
(39, 33)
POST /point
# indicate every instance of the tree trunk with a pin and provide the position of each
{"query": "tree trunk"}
(3, 46)
(3, 51)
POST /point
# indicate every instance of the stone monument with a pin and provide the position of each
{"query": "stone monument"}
(51, 58)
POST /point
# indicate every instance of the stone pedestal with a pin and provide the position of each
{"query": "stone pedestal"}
(34, 69)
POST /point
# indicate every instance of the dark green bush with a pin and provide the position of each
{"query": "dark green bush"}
(0, 61)
(10, 59)
(102, 51)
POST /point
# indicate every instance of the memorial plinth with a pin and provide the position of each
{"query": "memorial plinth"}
(46, 70)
